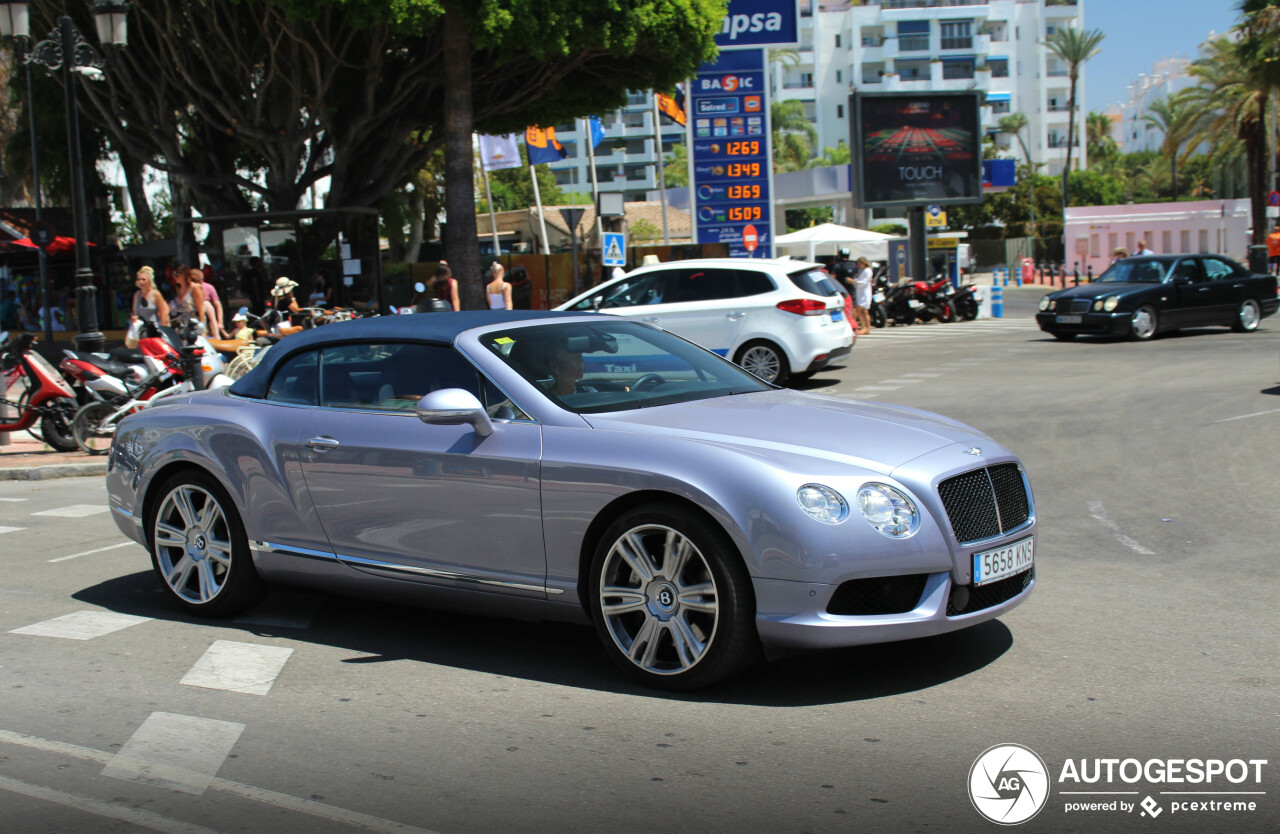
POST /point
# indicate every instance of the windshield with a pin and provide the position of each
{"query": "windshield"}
(616, 365)
(1134, 271)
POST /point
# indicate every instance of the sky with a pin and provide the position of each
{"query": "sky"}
(1141, 32)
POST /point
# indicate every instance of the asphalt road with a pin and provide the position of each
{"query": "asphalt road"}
(1152, 634)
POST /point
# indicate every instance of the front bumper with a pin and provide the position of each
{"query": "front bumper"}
(779, 627)
(1101, 324)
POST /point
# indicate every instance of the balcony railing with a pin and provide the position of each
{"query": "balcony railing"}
(958, 43)
(913, 43)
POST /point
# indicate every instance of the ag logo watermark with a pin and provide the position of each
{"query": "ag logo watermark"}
(1009, 784)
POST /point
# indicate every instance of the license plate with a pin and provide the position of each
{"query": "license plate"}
(837, 315)
(878, 298)
(1068, 319)
(993, 565)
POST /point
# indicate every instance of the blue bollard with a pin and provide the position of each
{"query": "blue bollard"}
(1006, 278)
(995, 276)
(997, 303)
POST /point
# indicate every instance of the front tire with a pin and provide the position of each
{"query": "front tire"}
(55, 429)
(878, 318)
(89, 432)
(967, 308)
(1063, 337)
(199, 549)
(1247, 317)
(765, 360)
(671, 599)
(1144, 323)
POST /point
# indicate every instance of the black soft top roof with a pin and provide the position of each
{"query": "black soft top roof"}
(423, 327)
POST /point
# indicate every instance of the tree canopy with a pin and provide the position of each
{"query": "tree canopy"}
(248, 103)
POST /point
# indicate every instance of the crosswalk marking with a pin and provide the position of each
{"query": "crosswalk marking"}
(10, 529)
(11, 500)
(283, 609)
(74, 511)
(90, 552)
(178, 752)
(238, 667)
(110, 810)
(81, 625)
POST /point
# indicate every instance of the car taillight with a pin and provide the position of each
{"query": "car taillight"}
(804, 307)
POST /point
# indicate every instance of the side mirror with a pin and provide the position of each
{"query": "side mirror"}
(595, 302)
(453, 407)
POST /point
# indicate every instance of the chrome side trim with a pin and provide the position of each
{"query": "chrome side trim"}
(137, 522)
(358, 562)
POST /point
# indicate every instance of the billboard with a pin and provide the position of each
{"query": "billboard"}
(753, 23)
(916, 148)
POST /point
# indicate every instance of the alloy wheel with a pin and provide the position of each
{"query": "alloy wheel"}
(763, 361)
(659, 599)
(193, 544)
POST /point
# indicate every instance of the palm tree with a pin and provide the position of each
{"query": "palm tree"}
(1013, 123)
(1074, 48)
(1235, 93)
(1178, 118)
(793, 136)
(1102, 147)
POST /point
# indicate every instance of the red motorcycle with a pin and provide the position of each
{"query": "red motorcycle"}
(45, 398)
(935, 299)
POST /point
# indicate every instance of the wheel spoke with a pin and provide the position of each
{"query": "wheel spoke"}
(688, 646)
(219, 551)
(169, 536)
(182, 501)
(701, 597)
(633, 552)
(626, 601)
(208, 582)
(675, 555)
(647, 639)
(181, 574)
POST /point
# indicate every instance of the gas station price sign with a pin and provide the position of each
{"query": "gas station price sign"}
(730, 160)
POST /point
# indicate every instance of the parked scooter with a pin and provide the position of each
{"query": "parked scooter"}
(965, 302)
(892, 303)
(177, 366)
(45, 398)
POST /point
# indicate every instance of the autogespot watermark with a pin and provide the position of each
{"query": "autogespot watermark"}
(1009, 784)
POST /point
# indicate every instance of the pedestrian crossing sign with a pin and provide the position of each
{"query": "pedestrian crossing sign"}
(615, 249)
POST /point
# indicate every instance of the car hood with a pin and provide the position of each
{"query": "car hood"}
(1100, 290)
(875, 436)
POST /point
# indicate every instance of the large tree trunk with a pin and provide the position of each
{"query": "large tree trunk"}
(460, 242)
(1255, 144)
(135, 181)
(1071, 135)
(417, 210)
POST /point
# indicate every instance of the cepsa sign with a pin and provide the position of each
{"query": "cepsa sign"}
(759, 23)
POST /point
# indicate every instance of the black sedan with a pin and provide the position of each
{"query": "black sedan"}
(1140, 297)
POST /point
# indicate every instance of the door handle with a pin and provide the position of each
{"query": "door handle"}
(736, 316)
(322, 444)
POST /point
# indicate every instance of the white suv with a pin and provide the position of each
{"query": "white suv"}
(776, 318)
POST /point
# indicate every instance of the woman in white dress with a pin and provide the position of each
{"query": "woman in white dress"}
(498, 291)
(862, 295)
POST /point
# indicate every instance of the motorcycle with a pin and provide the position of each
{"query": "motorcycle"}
(45, 399)
(965, 302)
(177, 367)
(935, 299)
(892, 302)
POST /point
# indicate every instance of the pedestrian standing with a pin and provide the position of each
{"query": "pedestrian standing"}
(498, 291)
(862, 295)
(1143, 250)
(148, 306)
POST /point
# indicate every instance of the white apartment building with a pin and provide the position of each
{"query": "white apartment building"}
(989, 45)
(902, 45)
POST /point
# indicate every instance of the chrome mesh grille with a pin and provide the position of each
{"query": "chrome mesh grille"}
(985, 502)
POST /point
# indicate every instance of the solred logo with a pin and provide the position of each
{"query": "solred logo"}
(1009, 784)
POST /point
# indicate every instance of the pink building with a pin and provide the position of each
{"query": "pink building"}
(1217, 226)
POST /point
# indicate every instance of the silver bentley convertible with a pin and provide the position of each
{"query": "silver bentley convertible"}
(575, 467)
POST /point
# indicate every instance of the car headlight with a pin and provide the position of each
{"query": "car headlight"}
(1053, 305)
(1111, 303)
(822, 503)
(1044, 303)
(1097, 305)
(888, 510)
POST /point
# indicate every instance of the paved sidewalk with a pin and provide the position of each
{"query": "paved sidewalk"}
(28, 459)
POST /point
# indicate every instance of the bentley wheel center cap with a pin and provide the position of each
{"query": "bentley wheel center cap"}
(663, 598)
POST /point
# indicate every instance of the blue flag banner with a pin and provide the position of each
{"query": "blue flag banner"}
(597, 130)
(543, 146)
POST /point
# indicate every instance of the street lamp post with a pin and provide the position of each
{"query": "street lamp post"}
(66, 51)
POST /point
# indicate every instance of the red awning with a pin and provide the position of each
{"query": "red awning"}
(60, 244)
